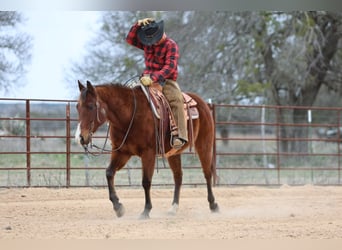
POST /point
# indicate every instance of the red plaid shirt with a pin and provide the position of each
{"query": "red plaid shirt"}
(160, 60)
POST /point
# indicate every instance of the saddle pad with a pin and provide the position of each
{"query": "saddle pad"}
(153, 96)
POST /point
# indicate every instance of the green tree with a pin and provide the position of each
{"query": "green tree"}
(109, 58)
(15, 51)
(297, 50)
(283, 58)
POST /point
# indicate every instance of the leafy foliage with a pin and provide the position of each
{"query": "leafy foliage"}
(230, 56)
(15, 47)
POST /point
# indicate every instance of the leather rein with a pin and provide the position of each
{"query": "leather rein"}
(124, 138)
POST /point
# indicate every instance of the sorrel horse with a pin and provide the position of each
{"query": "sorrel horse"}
(132, 132)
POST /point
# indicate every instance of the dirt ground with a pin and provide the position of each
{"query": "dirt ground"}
(306, 212)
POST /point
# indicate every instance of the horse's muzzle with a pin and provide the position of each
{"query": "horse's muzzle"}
(83, 140)
(83, 144)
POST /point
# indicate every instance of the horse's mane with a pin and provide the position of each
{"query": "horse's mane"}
(111, 85)
(107, 90)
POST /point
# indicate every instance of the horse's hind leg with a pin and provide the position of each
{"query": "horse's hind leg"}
(205, 156)
(117, 162)
(176, 167)
(211, 199)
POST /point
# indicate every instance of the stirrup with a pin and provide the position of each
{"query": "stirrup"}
(177, 142)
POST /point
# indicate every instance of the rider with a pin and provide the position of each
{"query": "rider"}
(161, 59)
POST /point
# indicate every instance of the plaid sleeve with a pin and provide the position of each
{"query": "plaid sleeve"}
(132, 37)
(169, 70)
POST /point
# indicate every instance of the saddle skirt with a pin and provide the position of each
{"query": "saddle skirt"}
(162, 111)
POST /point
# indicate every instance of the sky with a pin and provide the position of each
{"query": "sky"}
(59, 37)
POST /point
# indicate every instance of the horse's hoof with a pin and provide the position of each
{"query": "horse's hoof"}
(144, 216)
(119, 210)
(214, 208)
(173, 210)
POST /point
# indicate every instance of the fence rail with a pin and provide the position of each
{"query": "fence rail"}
(254, 145)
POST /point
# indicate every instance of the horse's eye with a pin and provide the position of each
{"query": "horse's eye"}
(91, 106)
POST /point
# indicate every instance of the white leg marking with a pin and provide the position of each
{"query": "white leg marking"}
(173, 210)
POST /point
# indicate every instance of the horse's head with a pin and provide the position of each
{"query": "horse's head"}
(90, 114)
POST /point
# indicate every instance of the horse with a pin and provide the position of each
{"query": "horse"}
(132, 133)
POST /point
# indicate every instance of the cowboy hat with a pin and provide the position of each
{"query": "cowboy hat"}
(151, 33)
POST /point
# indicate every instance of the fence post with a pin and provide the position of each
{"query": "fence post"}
(339, 146)
(68, 144)
(278, 142)
(263, 136)
(28, 144)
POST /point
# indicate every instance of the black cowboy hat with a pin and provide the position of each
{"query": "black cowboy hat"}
(151, 33)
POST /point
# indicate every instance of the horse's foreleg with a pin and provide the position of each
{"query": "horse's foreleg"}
(176, 167)
(148, 169)
(114, 166)
(117, 206)
(146, 183)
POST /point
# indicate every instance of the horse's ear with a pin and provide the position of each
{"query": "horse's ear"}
(89, 84)
(80, 86)
(90, 87)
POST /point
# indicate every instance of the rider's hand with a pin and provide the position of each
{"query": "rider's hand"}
(146, 80)
(143, 22)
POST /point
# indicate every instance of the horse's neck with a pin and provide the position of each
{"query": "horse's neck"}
(118, 102)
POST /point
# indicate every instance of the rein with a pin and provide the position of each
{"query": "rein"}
(123, 140)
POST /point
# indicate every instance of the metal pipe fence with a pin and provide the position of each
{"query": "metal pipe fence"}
(274, 145)
(254, 145)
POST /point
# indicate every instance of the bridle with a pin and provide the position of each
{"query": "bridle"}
(92, 124)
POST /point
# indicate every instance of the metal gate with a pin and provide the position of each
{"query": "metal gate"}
(254, 145)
